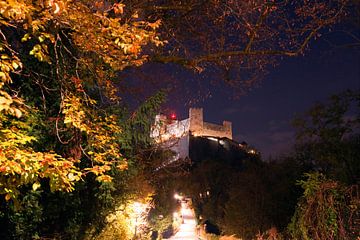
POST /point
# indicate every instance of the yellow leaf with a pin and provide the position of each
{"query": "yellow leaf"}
(17, 113)
(104, 178)
(2, 76)
(123, 166)
(15, 65)
(26, 37)
(36, 185)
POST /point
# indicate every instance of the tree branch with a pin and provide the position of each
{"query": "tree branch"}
(213, 57)
(259, 22)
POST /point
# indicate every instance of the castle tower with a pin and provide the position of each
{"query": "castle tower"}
(196, 121)
(227, 129)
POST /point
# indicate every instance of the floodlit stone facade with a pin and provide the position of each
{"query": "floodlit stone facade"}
(200, 128)
(166, 129)
(192, 138)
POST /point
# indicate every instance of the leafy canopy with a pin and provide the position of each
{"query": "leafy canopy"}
(58, 62)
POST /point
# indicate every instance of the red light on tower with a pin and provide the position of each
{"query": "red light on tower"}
(173, 116)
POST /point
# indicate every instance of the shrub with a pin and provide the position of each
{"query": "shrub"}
(326, 211)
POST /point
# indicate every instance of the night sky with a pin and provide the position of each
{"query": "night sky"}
(262, 117)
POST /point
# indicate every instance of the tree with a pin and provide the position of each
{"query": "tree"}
(328, 143)
(327, 210)
(62, 101)
(328, 137)
(236, 41)
(63, 125)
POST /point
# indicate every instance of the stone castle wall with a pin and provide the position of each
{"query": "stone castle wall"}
(215, 130)
(200, 128)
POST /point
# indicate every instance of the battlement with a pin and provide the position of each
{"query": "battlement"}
(200, 128)
(166, 129)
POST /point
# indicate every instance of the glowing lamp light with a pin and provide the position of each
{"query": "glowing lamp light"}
(177, 196)
(138, 207)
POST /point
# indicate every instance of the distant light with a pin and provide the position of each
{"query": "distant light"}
(173, 116)
(252, 151)
(212, 139)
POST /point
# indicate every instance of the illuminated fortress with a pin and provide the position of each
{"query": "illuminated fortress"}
(196, 140)
(166, 129)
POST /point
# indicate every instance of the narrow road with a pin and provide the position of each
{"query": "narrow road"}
(187, 230)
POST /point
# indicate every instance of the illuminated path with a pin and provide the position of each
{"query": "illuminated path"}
(187, 230)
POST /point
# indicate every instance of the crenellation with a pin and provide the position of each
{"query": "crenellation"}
(166, 129)
(215, 130)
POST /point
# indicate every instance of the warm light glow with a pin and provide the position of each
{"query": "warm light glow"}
(177, 196)
(134, 214)
(252, 151)
(186, 225)
(137, 216)
(139, 207)
(212, 139)
(183, 210)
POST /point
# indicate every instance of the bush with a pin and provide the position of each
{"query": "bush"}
(326, 211)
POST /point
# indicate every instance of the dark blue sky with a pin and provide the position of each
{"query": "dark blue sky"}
(263, 116)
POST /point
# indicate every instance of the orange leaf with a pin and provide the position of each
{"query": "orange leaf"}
(7, 197)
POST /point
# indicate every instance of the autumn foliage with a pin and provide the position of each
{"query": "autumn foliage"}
(58, 64)
(69, 145)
